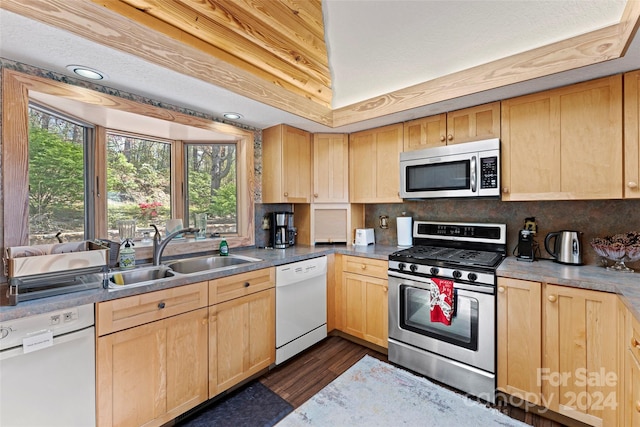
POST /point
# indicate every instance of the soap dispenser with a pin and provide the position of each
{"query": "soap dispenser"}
(224, 248)
(127, 255)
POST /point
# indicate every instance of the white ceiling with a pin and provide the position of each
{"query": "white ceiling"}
(375, 47)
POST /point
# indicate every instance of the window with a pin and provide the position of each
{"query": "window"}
(138, 182)
(58, 149)
(212, 186)
(92, 211)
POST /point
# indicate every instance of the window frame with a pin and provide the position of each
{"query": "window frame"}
(15, 130)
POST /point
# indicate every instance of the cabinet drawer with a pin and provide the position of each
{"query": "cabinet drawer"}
(365, 266)
(240, 285)
(634, 339)
(128, 312)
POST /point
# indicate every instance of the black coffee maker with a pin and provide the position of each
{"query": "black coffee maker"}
(279, 229)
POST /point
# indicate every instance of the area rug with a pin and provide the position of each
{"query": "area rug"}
(252, 406)
(374, 393)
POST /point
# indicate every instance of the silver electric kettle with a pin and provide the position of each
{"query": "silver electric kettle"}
(567, 247)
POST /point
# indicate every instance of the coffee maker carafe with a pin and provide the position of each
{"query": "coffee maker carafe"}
(278, 235)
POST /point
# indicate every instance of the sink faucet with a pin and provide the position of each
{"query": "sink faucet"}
(159, 244)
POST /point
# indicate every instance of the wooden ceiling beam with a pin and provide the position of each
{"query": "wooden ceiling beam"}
(205, 25)
(178, 51)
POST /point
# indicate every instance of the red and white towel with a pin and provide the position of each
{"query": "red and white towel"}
(441, 301)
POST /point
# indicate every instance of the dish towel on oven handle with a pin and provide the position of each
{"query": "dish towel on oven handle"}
(441, 301)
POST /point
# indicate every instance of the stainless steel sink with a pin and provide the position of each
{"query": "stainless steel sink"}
(208, 263)
(121, 279)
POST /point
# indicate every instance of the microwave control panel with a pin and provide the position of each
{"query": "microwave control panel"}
(489, 172)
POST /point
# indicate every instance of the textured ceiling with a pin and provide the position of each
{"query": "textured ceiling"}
(374, 47)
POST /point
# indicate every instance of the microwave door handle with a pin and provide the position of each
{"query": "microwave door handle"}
(474, 177)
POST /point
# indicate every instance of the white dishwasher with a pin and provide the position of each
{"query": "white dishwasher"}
(47, 369)
(301, 306)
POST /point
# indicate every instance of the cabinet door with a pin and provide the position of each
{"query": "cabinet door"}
(365, 305)
(152, 373)
(296, 167)
(632, 393)
(473, 124)
(564, 144)
(330, 168)
(425, 132)
(519, 338)
(286, 165)
(374, 165)
(580, 362)
(242, 339)
(632, 135)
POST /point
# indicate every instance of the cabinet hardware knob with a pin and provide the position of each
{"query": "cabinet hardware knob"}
(632, 184)
(247, 284)
(501, 289)
(450, 137)
(552, 298)
(286, 194)
(161, 305)
(442, 138)
(505, 190)
(364, 267)
(635, 343)
(637, 405)
(315, 194)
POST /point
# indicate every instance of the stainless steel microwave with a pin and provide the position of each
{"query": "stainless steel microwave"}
(471, 169)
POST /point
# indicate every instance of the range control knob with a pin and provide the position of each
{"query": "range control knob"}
(401, 266)
(413, 268)
(456, 274)
(434, 271)
(472, 277)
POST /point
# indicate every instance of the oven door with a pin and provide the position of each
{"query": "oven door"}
(469, 339)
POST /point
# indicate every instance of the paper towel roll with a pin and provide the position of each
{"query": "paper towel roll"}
(404, 231)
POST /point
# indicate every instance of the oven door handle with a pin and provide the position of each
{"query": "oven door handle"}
(418, 282)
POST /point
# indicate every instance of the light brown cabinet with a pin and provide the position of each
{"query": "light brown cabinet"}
(519, 338)
(149, 372)
(455, 127)
(330, 168)
(632, 135)
(631, 348)
(578, 371)
(364, 299)
(374, 165)
(241, 328)
(286, 165)
(564, 143)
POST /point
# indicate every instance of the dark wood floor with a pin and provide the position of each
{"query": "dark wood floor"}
(306, 374)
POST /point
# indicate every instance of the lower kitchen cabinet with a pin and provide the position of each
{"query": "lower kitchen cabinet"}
(631, 348)
(149, 374)
(578, 375)
(365, 299)
(241, 335)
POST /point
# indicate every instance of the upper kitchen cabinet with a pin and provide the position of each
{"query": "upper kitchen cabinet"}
(632, 135)
(330, 168)
(455, 127)
(564, 143)
(374, 165)
(286, 165)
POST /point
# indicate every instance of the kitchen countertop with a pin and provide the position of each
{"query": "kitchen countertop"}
(627, 285)
(592, 277)
(269, 257)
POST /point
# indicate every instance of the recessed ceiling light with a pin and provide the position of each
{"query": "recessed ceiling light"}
(232, 116)
(86, 72)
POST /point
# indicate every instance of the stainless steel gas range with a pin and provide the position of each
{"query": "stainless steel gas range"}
(442, 304)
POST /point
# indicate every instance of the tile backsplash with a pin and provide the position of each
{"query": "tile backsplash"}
(594, 218)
